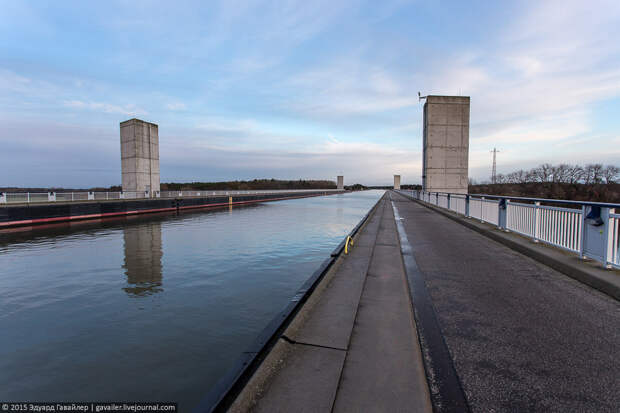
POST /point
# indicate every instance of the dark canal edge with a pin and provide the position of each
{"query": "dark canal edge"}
(226, 390)
(444, 384)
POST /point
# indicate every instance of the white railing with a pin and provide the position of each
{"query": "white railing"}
(458, 203)
(35, 197)
(588, 229)
(615, 243)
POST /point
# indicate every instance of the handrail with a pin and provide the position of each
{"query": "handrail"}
(52, 196)
(592, 230)
(545, 200)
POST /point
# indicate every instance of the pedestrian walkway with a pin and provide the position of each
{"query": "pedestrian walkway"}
(522, 336)
(354, 346)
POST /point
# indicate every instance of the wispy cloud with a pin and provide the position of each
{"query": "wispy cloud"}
(128, 110)
(301, 88)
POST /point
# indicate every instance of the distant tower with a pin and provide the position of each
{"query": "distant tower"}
(340, 180)
(140, 157)
(397, 182)
(494, 170)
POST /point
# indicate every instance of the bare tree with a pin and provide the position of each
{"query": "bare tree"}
(517, 177)
(543, 173)
(500, 179)
(561, 173)
(611, 174)
(593, 173)
(575, 174)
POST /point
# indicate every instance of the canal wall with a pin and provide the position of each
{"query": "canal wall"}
(35, 214)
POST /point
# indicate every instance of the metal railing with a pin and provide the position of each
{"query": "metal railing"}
(589, 229)
(35, 197)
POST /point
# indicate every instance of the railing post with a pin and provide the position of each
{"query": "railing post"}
(28, 197)
(502, 209)
(609, 236)
(467, 206)
(2, 198)
(437, 198)
(582, 241)
(482, 209)
(536, 221)
(107, 195)
(448, 201)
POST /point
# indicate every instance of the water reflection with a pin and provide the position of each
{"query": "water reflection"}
(143, 254)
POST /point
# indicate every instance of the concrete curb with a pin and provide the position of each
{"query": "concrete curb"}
(589, 273)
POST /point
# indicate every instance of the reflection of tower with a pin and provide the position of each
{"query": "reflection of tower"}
(143, 254)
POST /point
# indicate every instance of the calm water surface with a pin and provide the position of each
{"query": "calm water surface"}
(154, 307)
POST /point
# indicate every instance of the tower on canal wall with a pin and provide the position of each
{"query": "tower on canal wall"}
(446, 144)
(140, 157)
(340, 182)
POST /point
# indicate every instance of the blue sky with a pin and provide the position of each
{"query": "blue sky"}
(298, 89)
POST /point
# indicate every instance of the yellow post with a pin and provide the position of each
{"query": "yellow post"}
(230, 200)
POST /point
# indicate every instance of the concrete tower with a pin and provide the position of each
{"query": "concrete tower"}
(446, 144)
(140, 157)
(396, 181)
(340, 181)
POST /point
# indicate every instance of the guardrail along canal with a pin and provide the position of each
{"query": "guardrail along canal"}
(155, 308)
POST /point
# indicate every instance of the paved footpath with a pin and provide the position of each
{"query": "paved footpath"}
(355, 349)
(522, 336)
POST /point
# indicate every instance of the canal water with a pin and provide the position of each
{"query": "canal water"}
(158, 307)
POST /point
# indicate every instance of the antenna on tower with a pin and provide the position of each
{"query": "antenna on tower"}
(494, 170)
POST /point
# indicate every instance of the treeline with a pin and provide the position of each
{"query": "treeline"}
(593, 182)
(594, 173)
(256, 184)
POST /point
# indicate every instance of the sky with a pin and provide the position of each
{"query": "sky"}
(301, 89)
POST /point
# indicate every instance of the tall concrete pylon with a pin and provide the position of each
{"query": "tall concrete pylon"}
(396, 181)
(140, 157)
(446, 144)
(340, 182)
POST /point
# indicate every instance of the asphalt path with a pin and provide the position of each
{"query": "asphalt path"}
(522, 336)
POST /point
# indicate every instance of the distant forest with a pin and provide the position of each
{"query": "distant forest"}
(592, 182)
(255, 184)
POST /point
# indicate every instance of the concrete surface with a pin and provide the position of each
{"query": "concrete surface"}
(140, 156)
(353, 346)
(340, 182)
(522, 336)
(445, 144)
